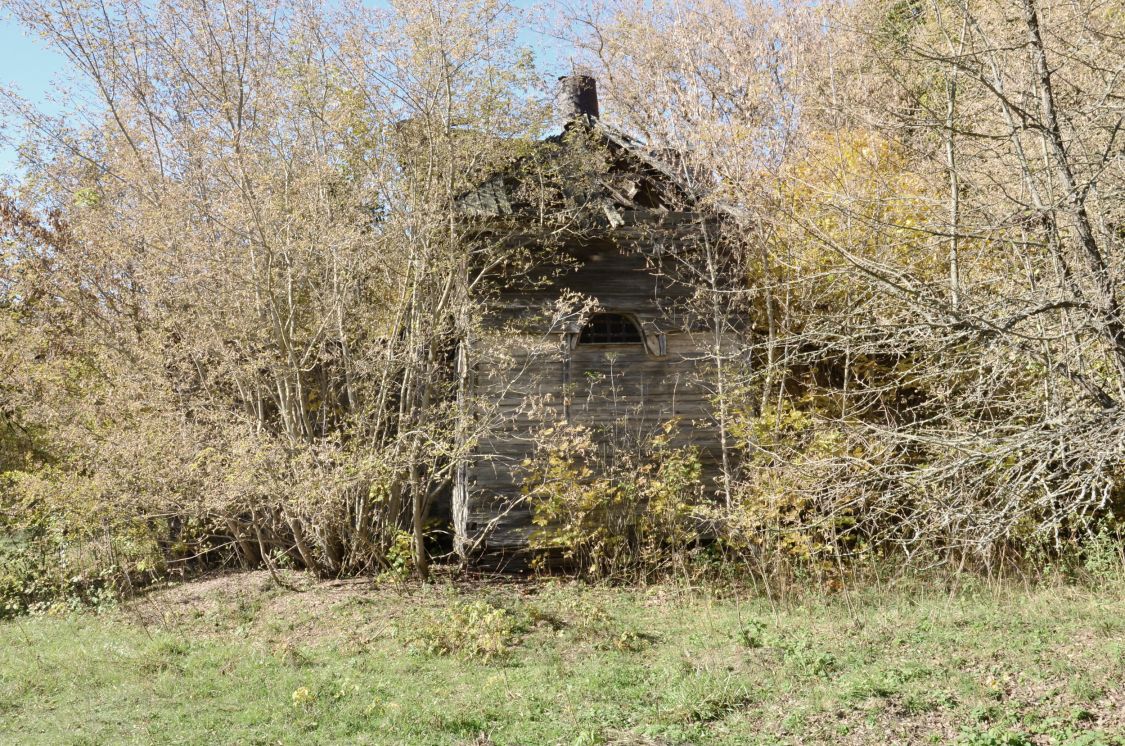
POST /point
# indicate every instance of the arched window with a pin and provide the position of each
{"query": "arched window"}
(610, 329)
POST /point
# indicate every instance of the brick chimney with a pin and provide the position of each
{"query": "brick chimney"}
(578, 97)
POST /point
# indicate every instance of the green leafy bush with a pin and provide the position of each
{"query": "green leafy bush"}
(36, 578)
(400, 557)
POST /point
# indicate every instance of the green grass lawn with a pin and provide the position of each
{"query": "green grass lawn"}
(235, 659)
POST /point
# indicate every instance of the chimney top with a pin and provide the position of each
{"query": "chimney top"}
(578, 96)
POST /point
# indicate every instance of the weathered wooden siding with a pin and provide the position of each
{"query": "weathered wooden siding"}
(531, 376)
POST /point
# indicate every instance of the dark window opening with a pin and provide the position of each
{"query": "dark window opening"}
(610, 329)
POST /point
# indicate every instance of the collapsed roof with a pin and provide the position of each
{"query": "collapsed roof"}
(591, 171)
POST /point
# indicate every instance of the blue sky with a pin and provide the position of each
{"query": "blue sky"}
(29, 68)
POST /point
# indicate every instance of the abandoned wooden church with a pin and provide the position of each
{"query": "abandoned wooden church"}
(600, 329)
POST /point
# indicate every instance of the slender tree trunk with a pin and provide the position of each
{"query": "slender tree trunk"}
(954, 181)
(1106, 291)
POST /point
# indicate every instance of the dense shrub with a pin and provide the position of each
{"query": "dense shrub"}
(36, 576)
(611, 511)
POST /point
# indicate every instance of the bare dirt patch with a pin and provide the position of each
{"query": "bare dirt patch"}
(252, 604)
(351, 612)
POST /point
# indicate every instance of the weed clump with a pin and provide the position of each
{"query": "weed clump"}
(477, 630)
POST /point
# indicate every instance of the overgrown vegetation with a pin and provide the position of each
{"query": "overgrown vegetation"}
(35, 579)
(237, 659)
(235, 283)
(613, 512)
